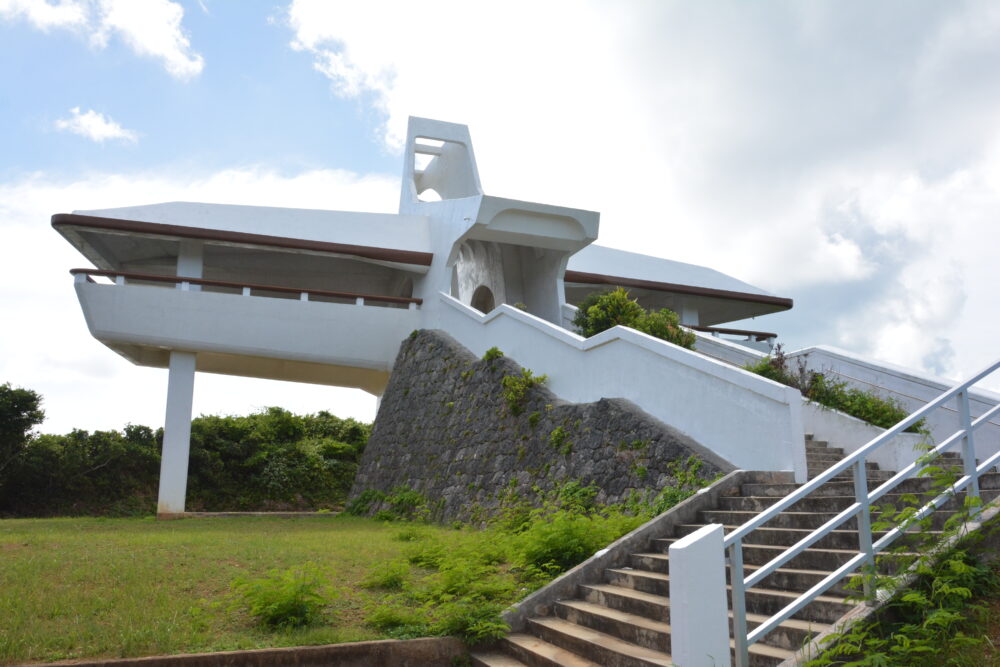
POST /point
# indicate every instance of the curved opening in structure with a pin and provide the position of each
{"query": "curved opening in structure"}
(482, 299)
(430, 194)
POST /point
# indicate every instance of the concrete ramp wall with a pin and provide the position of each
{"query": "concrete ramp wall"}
(752, 422)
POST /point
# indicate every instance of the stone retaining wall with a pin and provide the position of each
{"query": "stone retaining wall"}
(445, 429)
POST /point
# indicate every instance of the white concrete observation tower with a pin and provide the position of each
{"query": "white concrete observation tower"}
(325, 297)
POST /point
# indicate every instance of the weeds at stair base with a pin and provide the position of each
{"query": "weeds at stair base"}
(936, 610)
(462, 592)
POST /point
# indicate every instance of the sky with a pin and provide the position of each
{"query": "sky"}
(842, 153)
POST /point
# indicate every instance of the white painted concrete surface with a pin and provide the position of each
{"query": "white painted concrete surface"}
(382, 230)
(727, 351)
(344, 336)
(750, 421)
(911, 388)
(850, 433)
(176, 434)
(699, 619)
(613, 262)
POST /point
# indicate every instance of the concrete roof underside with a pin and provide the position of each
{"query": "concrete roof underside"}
(662, 283)
(155, 249)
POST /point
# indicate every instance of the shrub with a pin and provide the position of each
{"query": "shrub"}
(474, 622)
(492, 354)
(559, 440)
(666, 325)
(362, 504)
(686, 483)
(602, 310)
(19, 411)
(390, 576)
(399, 621)
(515, 388)
(284, 598)
(563, 539)
(879, 411)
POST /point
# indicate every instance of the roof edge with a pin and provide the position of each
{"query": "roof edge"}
(601, 279)
(201, 233)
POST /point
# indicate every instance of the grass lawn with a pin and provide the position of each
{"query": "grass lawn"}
(91, 587)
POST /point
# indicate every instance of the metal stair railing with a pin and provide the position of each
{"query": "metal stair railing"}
(971, 473)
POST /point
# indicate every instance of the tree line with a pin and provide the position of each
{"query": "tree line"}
(266, 461)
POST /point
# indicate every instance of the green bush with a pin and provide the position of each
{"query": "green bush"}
(20, 411)
(523, 548)
(560, 540)
(390, 576)
(474, 622)
(516, 387)
(270, 460)
(686, 483)
(879, 411)
(559, 440)
(602, 310)
(284, 598)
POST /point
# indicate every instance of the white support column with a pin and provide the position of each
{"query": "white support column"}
(190, 261)
(176, 434)
(689, 316)
(699, 617)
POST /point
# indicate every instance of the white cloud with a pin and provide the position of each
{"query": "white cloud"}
(46, 343)
(45, 16)
(824, 149)
(94, 126)
(150, 28)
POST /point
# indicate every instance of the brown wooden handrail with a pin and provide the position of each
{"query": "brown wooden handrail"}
(757, 335)
(155, 277)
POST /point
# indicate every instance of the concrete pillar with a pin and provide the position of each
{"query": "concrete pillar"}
(689, 316)
(699, 615)
(190, 261)
(176, 435)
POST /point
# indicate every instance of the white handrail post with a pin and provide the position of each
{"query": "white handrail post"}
(739, 604)
(864, 526)
(968, 444)
(699, 622)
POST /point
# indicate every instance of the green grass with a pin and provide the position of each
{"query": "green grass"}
(84, 588)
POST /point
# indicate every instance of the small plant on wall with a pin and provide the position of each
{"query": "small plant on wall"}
(602, 310)
(515, 389)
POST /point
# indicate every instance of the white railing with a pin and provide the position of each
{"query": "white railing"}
(246, 288)
(860, 509)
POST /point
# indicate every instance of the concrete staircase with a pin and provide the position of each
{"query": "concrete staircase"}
(624, 620)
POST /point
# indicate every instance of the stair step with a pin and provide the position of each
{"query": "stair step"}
(786, 537)
(806, 520)
(829, 503)
(783, 578)
(536, 652)
(634, 628)
(846, 488)
(791, 634)
(822, 446)
(605, 649)
(819, 464)
(625, 622)
(492, 659)
(810, 559)
(824, 609)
